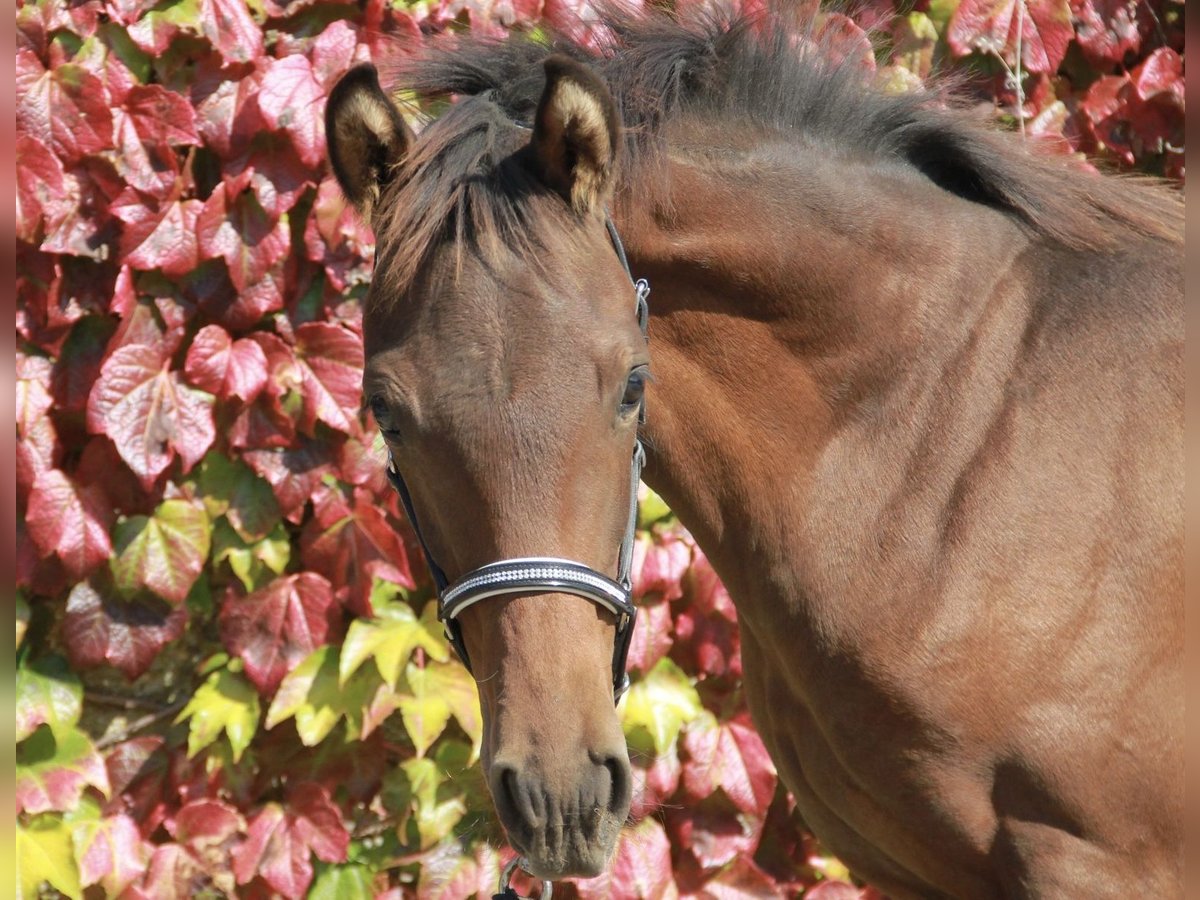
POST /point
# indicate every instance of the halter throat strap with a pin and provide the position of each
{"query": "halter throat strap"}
(542, 574)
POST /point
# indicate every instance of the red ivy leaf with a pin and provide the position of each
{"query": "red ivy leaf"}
(53, 770)
(991, 26)
(336, 237)
(1107, 30)
(228, 116)
(110, 853)
(249, 240)
(729, 756)
(162, 117)
(652, 638)
(158, 236)
(40, 188)
(280, 841)
(640, 869)
(343, 539)
(127, 634)
(66, 108)
(659, 562)
(330, 362)
(149, 412)
(37, 441)
(137, 773)
(1159, 73)
(229, 28)
(334, 51)
(273, 171)
(71, 521)
(210, 829)
(293, 472)
(654, 783)
(292, 100)
(277, 626)
(225, 367)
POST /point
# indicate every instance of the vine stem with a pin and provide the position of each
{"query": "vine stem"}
(141, 724)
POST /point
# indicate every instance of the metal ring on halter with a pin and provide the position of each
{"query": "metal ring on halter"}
(506, 877)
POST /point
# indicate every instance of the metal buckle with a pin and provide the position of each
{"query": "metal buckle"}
(506, 891)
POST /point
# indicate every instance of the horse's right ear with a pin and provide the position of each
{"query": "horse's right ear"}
(366, 137)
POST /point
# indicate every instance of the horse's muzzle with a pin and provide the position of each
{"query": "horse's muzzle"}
(566, 824)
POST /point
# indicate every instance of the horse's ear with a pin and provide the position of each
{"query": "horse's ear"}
(576, 133)
(366, 137)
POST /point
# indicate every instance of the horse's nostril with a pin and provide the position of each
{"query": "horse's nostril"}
(513, 802)
(620, 784)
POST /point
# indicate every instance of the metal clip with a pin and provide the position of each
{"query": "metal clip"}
(507, 892)
(642, 287)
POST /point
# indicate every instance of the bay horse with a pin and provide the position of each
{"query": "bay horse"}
(917, 393)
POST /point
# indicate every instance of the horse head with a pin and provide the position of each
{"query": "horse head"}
(505, 367)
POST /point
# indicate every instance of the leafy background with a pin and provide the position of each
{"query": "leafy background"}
(230, 680)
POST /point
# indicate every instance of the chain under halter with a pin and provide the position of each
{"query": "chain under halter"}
(538, 574)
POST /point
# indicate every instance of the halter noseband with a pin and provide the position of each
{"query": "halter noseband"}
(545, 573)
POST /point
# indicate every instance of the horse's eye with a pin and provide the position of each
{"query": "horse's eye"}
(635, 388)
(379, 408)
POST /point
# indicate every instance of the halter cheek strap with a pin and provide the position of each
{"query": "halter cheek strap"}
(542, 574)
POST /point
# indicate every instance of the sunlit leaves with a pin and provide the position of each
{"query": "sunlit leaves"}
(433, 693)
(45, 854)
(149, 412)
(48, 693)
(418, 790)
(292, 100)
(282, 840)
(661, 703)
(165, 552)
(276, 627)
(220, 365)
(390, 638)
(110, 853)
(70, 520)
(53, 768)
(227, 703)
(729, 756)
(1042, 29)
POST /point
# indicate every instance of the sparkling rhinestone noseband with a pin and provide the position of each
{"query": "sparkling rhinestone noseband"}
(539, 574)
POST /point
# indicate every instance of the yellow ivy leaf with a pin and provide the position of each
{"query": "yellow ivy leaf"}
(225, 702)
(661, 703)
(391, 638)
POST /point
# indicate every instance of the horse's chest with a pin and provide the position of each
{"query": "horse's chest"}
(885, 788)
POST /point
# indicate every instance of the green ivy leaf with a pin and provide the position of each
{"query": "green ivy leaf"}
(342, 882)
(164, 552)
(53, 770)
(255, 564)
(428, 698)
(661, 703)
(49, 693)
(45, 855)
(232, 489)
(651, 508)
(313, 695)
(225, 702)
(420, 793)
(391, 638)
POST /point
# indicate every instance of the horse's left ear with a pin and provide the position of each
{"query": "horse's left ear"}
(576, 133)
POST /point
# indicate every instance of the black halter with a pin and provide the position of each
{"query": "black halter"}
(541, 573)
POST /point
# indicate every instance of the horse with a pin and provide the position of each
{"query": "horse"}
(915, 389)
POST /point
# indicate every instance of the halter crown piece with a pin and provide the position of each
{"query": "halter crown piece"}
(537, 574)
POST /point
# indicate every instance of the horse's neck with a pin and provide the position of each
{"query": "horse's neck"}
(828, 341)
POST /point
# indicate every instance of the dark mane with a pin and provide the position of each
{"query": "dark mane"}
(720, 69)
